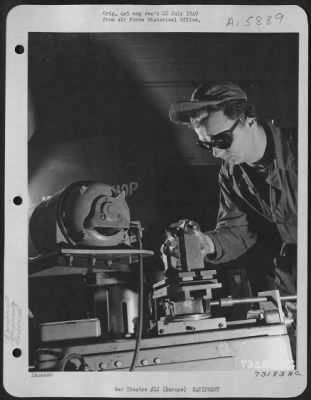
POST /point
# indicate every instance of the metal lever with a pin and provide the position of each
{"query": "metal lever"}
(229, 301)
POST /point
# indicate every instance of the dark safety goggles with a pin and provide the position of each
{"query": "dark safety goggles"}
(221, 140)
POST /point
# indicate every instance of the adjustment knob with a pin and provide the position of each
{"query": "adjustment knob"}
(144, 362)
(157, 360)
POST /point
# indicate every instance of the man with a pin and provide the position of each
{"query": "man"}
(258, 175)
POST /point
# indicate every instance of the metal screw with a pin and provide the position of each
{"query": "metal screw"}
(109, 263)
(190, 328)
(102, 365)
(118, 364)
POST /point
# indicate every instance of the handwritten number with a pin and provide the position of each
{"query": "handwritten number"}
(230, 22)
(279, 16)
(258, 21)
(248, 21)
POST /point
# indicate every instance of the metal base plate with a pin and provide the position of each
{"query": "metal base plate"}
(190, 325)
(223, 349)
(80, 261)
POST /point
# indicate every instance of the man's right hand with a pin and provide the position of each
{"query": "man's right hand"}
(206, 244)
(171, 245)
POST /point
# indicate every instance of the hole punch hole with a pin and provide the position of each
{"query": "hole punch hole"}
(17, 352)
(17, 200)
(19, 49)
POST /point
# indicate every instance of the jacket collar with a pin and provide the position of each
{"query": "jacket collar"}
(273, 177)
(280, 155)
(280, 146)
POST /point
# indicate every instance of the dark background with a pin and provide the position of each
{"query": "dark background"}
(98, 109)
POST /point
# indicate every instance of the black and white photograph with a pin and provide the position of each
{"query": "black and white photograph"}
(162, 194)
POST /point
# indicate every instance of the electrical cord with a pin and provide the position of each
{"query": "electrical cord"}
(71, 356)
(140, 306)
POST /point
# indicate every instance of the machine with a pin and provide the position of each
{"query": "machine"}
(86, 229)
(181, 324)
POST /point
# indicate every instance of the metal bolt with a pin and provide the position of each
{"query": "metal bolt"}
(109, 263)
(86, 368)
(69, 259)
(144, 362)
(220, 325)
(93, 261)
(102, 365)
(157, 360)
(190, 328)
(118, 364)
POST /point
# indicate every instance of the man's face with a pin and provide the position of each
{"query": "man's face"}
(207, 124)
